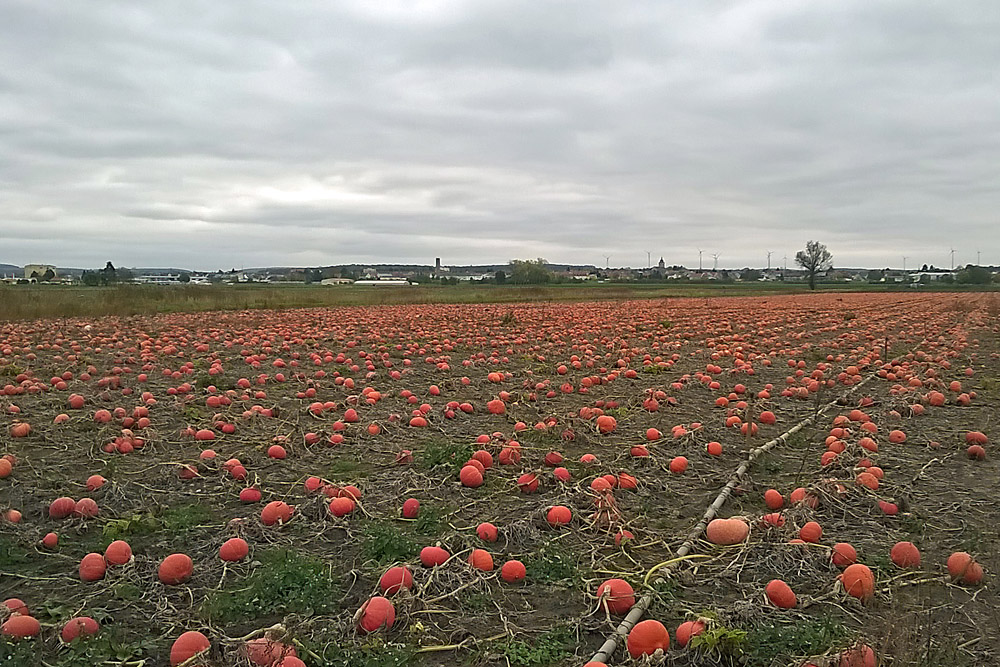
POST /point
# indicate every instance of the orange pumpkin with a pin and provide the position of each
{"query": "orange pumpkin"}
(858, 581)
(646, 638)
(617, 595)
(727, 531)
(780, 594)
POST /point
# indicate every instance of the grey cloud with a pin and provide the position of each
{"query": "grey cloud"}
(317, 133)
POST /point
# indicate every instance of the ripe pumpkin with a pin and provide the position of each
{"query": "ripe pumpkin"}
(513, 571)
(646, 638)
(376, 614)
(176, 569)
(234, 549)
(93, 567)
(118, 553)
(395, 579)
(341, 506)
(470, 477)
(963, 567)
(20, 627)
(266, 652)
(727, 531)
(432, 556)
(560, 515)
(60, 508)
(858, 581)
(773, 499)
(780, 594)
(187, 646)
(528, 482)
(86, 508)
(976, 453)
(606, 424)
(617, 595)
(976, 438)
(275, 512)
(81, 626)
(858, 656)
(843, 555)
(487, 532)
(481, 560)
(905, 555)
(687, 630)
(411, 508)
(811, 532)
(16, 606)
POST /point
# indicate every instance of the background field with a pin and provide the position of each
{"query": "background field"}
(19, 302)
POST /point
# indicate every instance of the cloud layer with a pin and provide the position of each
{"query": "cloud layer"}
(306, 133)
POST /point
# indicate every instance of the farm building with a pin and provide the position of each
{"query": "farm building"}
(37, 271)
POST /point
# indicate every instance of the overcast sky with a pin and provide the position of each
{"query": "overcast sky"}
(218, 134)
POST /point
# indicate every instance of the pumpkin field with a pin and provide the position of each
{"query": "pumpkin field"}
(770, 481)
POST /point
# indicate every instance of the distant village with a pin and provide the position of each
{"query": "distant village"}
(534, 272)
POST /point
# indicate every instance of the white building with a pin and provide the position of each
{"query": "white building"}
(36, 271)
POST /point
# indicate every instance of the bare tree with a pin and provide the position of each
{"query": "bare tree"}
(814, 259)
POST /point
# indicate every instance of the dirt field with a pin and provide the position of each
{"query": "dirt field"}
(253, 379)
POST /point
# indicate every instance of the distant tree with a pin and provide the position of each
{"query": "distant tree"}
(47, 276)
(184, 278)
(973, 275)
(875, 276)
(90, 279)
(529, 271)
(815, 259)
(923, 268)
(500, 277)
(948, 278)
(124, 275)
(750, 274)
(109, 275)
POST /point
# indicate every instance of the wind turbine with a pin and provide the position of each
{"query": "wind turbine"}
(649, 262)
(769, 253)
(904, 263)
(699, 259)
(715, 261)
(952, 259)
(607, 261)
(978, 261)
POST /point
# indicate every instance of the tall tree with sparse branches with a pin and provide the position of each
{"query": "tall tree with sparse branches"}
(814, 259)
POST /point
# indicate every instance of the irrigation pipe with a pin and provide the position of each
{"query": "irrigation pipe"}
(611, 644)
